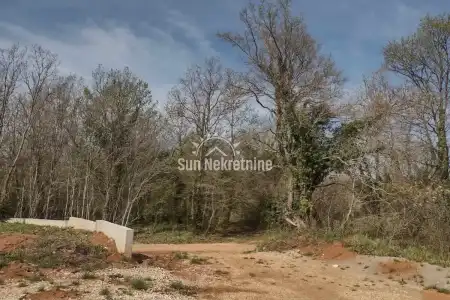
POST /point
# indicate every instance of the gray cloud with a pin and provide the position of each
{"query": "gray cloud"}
(158, 57)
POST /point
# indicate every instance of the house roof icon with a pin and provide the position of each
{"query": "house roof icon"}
(216, 149)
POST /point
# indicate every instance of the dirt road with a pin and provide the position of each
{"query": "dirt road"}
(232, 271)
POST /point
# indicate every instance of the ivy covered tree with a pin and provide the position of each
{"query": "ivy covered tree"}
(293, 81)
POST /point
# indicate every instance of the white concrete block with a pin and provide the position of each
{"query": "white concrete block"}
(40, 222)
(82, 224)
(123, 236)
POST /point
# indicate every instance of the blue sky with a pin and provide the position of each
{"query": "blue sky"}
(158, 40)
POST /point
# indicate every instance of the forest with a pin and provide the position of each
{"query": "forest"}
(375, 163)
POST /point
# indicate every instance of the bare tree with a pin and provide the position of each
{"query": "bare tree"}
(116, 106)
(12, 65)
(424, 60)
(40, 71)
(202, 100)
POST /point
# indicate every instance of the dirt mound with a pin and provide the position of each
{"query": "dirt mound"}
(335, 251)
(9, 242)
(54, 294)
(18, 270)
(115, 257)
(399, 268)
(100, 239)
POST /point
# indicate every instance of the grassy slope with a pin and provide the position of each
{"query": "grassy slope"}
(54, 247)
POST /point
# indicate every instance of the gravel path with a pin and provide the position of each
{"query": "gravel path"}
(111, 280)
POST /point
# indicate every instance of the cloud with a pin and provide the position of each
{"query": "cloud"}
(160, 57)
(389, 22)
(191, 31)
(159, 41)
(368, 28)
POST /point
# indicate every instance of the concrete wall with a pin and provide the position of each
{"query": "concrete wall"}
(40, 222)
(123, 236)
(82, 224)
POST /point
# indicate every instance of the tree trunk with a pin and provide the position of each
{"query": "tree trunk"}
(442, 145)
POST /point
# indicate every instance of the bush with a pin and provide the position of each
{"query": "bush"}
(88, 276)
(183, 289)
(139, 284)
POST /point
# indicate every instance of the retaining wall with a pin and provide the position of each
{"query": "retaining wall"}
(83, 224)
(122, 236)
(40, 222)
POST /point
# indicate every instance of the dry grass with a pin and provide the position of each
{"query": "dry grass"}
(54, 247)
(165, 236)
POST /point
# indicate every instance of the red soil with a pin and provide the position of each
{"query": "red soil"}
(99, 238)
(335, 251)
(53, 294)
(18, 270)
(398, 267)
(10, 242)
(433, 295)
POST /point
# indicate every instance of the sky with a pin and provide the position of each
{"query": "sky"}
(159, 40)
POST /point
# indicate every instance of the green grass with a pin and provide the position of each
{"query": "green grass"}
(177, 285)
(181, 255)
(283, 240)
(365, 245)
(26, 228)
(148, 235)
(183, 289)
(106, 293)
(361, 244)
(279, 241)
(116, 276)
(89, 276)
(139, 284)
(437, 289)
(199, 260)
(127, 292)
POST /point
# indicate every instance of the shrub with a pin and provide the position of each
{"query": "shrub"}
(139, 284)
